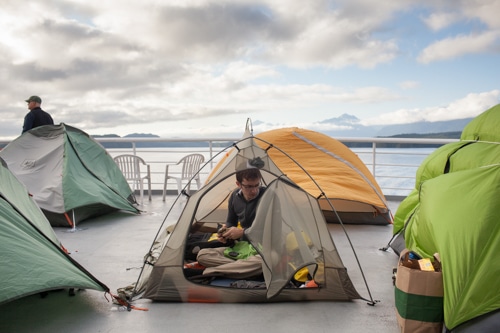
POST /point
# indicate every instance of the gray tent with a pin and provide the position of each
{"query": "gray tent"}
(69, 174)
(290, 233)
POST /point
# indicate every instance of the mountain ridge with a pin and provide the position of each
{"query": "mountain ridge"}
(350, 125)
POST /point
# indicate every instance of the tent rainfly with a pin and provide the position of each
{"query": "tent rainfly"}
(344, 178)
(69, 174)
(32, 259)
(454, 211)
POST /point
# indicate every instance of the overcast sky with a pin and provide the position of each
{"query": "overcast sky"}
(201, 67)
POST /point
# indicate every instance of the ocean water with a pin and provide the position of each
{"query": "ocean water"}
(394, 168)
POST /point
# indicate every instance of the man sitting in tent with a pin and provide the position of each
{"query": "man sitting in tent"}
(231, 262)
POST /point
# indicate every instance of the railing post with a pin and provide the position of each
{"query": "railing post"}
(211, 153)
(374, 157)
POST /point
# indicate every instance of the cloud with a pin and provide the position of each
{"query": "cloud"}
(438, 21)
(468, 107)
(148, 64)
(409, 84)
(208, 31)
(444, 14)
(484, 36)
(464, 44)
(486, 11)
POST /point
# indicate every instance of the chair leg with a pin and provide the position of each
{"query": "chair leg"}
(141, 185)
(164, 189)
(165, 183)
(149, 188)
(179, 186)
(135, 186)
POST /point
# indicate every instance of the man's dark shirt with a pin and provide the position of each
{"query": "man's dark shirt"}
(241, 210)
(36, 117)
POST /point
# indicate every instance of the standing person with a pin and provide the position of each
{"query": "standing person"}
(36, 117)
(242, 206)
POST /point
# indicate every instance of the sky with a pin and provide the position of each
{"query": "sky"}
(201, 68)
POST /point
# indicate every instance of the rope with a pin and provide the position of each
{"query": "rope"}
(124, 302)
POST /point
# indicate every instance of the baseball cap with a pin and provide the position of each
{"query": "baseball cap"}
(34, 99)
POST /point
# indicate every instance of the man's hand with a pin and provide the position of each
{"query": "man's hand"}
(233, 233)
(220, 234)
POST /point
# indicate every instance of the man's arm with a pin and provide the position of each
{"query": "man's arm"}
(232, 217)
(231, 230)
(28, 122)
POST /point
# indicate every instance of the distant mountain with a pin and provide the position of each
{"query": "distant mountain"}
(343, 120)
(425, 127)
(141, 135)
(350, 126)
(442, 135)
(153, 144)
(112, 144)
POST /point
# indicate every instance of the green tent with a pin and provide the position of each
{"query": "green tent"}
(458, 217)
(69, 174)
(454, 211)
(478, 146)
(31, 258)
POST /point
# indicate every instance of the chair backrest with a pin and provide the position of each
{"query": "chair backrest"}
(130, 166)
(190, 165)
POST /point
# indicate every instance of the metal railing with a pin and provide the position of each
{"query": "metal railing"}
(394, 168)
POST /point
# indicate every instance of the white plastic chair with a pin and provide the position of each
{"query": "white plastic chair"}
(130, 166)
(190, 165)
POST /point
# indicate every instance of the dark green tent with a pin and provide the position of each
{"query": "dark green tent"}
(31, 258)
(69, 174)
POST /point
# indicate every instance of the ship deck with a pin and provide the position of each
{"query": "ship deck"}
(112, 248)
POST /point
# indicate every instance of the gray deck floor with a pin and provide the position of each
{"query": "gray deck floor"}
(112, 248)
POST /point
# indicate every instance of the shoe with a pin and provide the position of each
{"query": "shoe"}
(190, 272)
(194, 265)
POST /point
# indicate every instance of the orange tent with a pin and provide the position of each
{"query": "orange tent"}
(340, 174)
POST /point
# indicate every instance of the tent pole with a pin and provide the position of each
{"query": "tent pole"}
(74, 221)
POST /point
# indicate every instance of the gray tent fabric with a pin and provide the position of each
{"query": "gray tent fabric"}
(289, 231)
(289, 224)
(32, 259)
(69, 174)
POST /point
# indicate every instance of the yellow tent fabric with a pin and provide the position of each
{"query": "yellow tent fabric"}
(338, 171)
